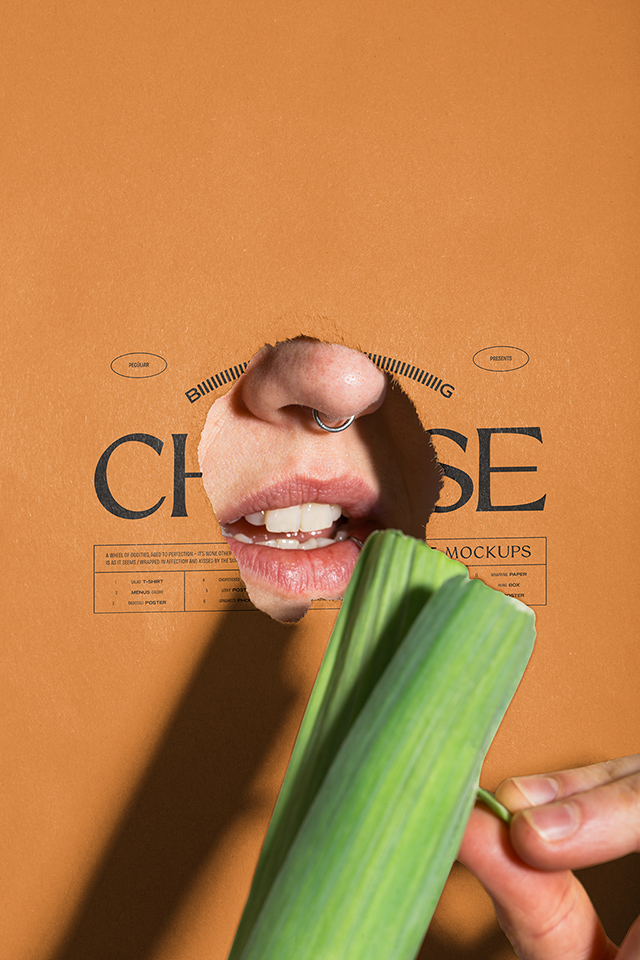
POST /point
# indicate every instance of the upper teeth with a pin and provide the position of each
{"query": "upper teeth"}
(305, 517)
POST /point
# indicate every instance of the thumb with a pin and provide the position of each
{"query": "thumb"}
(546, 915)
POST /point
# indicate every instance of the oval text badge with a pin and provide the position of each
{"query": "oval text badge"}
(139, 365)
(501, 359)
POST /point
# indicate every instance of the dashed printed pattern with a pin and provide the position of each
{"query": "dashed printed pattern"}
(400, 368)
(397, 368)
(216, 380)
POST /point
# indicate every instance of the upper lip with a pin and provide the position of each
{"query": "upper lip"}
(354, 494)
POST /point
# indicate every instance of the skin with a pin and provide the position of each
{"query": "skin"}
(260, 441)
(562, 821)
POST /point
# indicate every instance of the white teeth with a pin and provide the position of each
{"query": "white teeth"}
(287, 545)
(316, 516)
(286, 520)
(313, 543)
(306, 517)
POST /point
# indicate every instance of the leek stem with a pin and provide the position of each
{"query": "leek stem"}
(494, 805)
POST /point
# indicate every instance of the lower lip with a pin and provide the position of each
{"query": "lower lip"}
(311, 574)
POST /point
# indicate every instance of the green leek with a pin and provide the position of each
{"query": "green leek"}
(419, 671)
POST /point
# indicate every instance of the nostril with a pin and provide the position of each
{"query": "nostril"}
(336, 382)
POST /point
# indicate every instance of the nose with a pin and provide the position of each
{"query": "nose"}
(334, 380)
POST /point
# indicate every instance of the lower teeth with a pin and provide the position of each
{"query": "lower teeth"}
(291, 544)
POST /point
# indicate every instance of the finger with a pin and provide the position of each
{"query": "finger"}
(630, 949)
(587, 828)
(517, 793)
(546, 916)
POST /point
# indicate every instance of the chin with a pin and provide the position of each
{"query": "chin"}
(283, 583)
(282, 609)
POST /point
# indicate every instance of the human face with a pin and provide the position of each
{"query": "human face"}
(295, 502)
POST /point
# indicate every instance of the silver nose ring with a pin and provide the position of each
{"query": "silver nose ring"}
(338, 429)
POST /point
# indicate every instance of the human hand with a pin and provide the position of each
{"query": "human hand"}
(562, 821)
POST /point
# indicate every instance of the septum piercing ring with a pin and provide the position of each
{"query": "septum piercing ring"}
(339, 429)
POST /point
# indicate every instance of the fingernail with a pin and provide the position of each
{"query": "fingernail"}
(555, 822)
(537, 790)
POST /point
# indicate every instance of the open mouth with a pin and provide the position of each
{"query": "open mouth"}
(305, 526)
(300, 540)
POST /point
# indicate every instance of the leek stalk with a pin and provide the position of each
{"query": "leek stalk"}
(420, 668)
